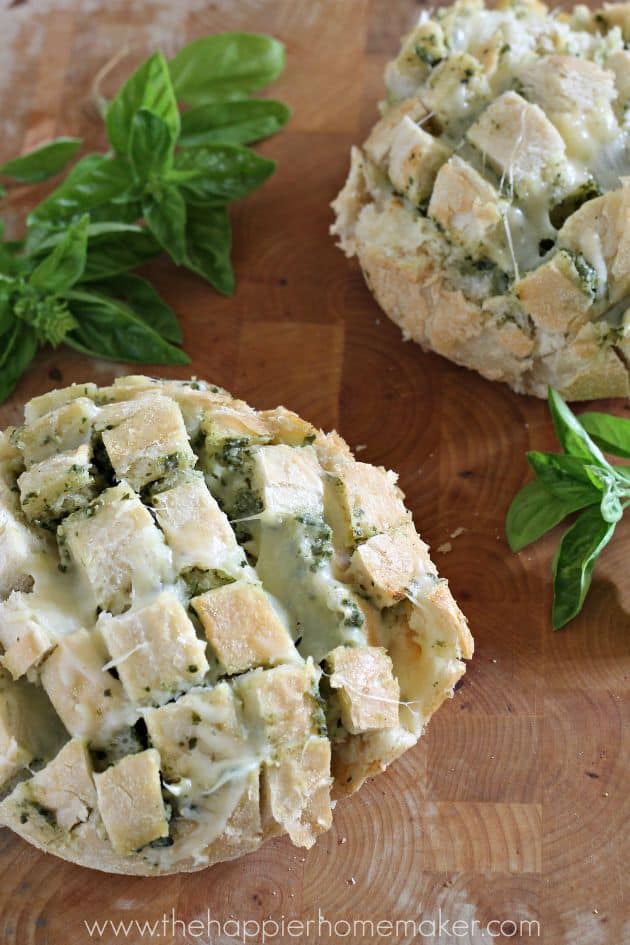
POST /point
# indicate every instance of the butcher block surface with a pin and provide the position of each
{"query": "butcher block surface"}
(515, 805)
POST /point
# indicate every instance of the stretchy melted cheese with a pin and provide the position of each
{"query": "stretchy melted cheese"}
(489, 207)
(212, 620)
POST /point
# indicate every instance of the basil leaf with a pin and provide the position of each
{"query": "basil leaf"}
(108, 328)
(146, 303)
(565, 476)
(209, 240)
(573, 437)
(150, 145)
(16, 357)
(96, 180)
(574, 562)
(112, 248)
(611, 434)
(10, 263)
(43, 162)
(109, 255)
(7, 317)
(165, 215)
(220, 173)
(232, 122)
(225, 66)
(535, 511)
(148, 88)
(65, 264)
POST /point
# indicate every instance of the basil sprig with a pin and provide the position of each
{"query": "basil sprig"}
(164, 185)
(579, 480)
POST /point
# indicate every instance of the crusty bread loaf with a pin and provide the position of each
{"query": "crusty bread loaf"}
(212, 620)
(489, 207)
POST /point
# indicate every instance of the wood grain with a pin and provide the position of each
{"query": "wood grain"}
(515, 805)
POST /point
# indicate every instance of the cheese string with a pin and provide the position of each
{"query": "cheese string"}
(343, 683)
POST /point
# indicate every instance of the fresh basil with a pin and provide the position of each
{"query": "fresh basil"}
(535, 510)
(64, 266)
(220, 173)
(148, 89)
(165, 215)
(43, 162)
(573, 437)
(225, 66)
(114, 248)
(565, 476)
(146, 303)
(208, 242)
(150, 146)
(238, 122)
(164, 185)
(574, 562)
(95, 181)
(580, 479)
(16, 357)
(108, 328)
(612, 434)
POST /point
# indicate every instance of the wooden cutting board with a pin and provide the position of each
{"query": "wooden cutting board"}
(515, 805)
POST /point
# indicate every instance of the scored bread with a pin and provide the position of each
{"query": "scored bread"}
(489, 207)
(212, 620)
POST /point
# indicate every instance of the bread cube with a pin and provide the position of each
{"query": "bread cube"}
(150, 443)
(65, 786)
(29, 727)
(24, 634)
(616, 14)
(414, 160)
(57, 486)
(53, 399)
(519, 141)
(600, 232)
(456, 89)
(283, 702)
(117, 547)
(363, 501)
(379, 143)
(289, 480)
(469, 209)
(199, 738)
(243, 628)
(193, 397)
(284, 426)
(130, 802)
(66, 428)
(557, 295)
(197, 531)
(16, 552)
(90, 702)
(368, 692)
(234, 421)
(296, 791)
(421, 49)
(567, 84)
(392, 566)
(155, 650)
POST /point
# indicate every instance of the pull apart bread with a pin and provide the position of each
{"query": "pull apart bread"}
(489, 207)
(212, 620)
